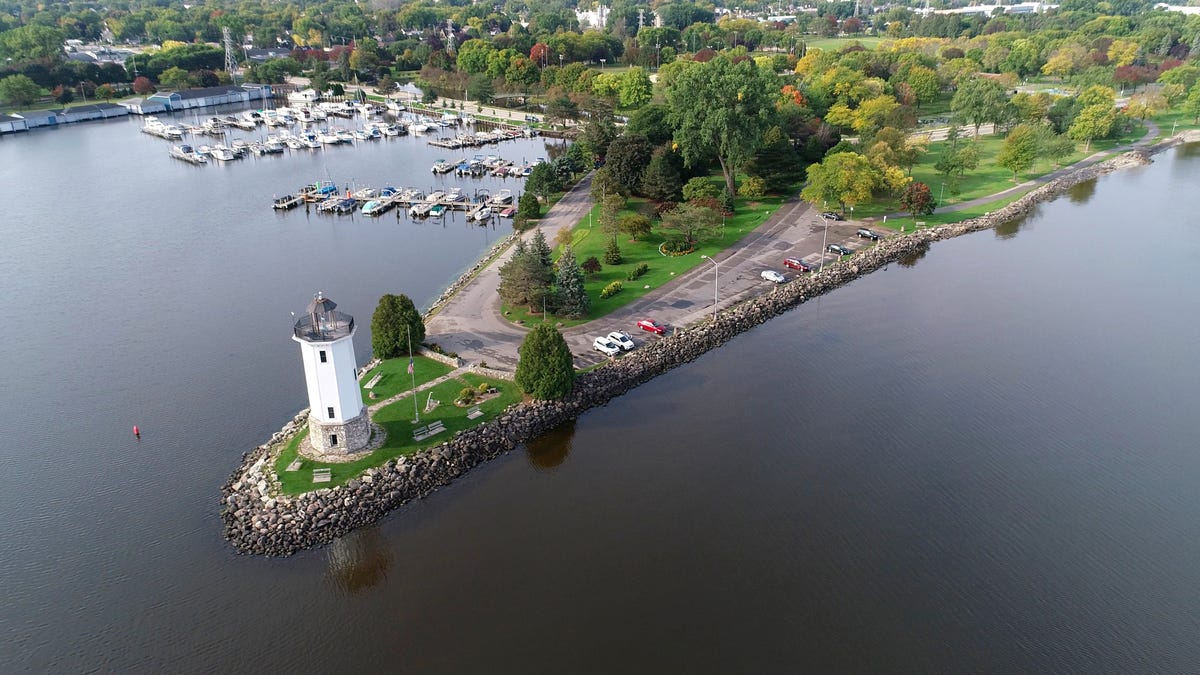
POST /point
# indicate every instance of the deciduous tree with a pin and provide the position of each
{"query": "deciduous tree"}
(719, 110)
(1020, 149)
(844, 178)
(691, 223)
(19, 90)
(1093, 122)
(917, 199)
(979, 100)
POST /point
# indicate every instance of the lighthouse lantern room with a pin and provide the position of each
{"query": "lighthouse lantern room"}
(337, 418)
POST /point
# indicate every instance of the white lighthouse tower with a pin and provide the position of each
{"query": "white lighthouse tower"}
(337, 418)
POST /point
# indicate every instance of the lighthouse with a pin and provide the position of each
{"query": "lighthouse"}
(337, 418)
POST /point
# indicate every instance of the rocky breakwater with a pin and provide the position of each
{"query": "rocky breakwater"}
(259, 520)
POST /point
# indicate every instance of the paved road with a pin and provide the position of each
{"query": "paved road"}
(471, 325)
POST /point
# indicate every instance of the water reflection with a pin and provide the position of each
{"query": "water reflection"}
(359, 560)
(911, 259)
(1082, 193)
(1011, 228)
(551, 448)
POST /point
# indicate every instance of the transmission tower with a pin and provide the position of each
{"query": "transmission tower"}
(230, 55)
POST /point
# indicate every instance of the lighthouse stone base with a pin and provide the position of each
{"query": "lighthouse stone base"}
(352, 435)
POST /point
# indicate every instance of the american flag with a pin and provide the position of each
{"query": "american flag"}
(410, 365)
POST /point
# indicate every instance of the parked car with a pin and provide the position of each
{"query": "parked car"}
(840, 250)
(773, 276)
(608, 347)
(652, 326)
(833, 215)
(868, 234)
(797, 264)
(622, 339)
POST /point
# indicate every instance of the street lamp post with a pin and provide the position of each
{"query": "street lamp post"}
(716, 274)
(602, 62)
(560, 58)
(824, 239)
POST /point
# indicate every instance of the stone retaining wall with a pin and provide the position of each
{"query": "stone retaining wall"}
(259, 521)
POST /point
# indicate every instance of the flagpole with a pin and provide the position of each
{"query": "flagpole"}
(412, 371)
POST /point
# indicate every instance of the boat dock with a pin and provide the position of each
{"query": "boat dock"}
(416, 203)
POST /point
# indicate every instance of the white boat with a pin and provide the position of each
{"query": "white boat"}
(502, 197)
(483, 214)
(222, 154)
(365, 193)
(361, 135)
(188, 154)
(156, 127)
(454, 196)
(303, 97)
(252, 116)
(420, 209)
(293, 143)
(435, 196)
(327, 137)
(345, 136)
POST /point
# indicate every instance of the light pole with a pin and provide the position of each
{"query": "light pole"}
(560, 58)
(824, 239)
(716, 274)
(602, 62)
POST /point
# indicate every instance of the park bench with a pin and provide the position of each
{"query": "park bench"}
(431, 429)
(474, 412)
(323, 475)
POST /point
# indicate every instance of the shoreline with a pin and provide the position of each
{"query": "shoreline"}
(260, 521)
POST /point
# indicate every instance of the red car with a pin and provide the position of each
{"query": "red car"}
(652, 326)
(797, 264)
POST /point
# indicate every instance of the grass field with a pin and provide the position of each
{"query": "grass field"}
(589, 240)
(395, 378)
(988, 179)
(837, 43)
(397, 421)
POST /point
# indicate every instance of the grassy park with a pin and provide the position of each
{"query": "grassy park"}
(397, 420)
(589, 240)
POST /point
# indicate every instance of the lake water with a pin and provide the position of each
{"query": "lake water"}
(983, 461)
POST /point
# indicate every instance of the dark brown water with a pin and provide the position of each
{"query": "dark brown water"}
(984, 461)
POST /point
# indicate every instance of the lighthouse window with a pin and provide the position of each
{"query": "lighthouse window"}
(323, 360)
(330, 409)
(332, 440)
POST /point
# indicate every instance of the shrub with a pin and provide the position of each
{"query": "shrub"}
(676, 246)
(753, 187)
(638, 271)
(612, 254)
(612, 289)
(699, 187)
(591, 265)
(465, 396)
(483, 387)
(662, 207)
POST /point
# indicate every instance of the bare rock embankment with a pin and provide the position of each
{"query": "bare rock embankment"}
(260, 521)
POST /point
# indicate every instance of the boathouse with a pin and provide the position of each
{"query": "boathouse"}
(187, 99)
(39, 118)
(12, 123)
(141, 106)
(95, 111)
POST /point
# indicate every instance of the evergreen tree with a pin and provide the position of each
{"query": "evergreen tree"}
(573, 301)
(627, 159)
(528, 206)
(662, 181)
(541, 249)
(395, 319)
(542, 181)
(545, 369)
(612, 254)
(524, 279)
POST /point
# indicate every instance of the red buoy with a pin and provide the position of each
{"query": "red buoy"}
(137, 432)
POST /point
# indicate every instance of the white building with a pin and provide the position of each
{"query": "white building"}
(337, 418)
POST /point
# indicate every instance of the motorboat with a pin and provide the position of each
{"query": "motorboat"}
(502, 197)
(286, 202)
(222, 153)
(188, 154)
(442, 166)
(482, 214)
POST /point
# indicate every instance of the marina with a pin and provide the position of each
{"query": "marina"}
(309, 127)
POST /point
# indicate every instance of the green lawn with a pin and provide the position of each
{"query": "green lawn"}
(988, 179)
(396, 378)
(590, 241)
(836, 43)
(397, 420)
(908, 223)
